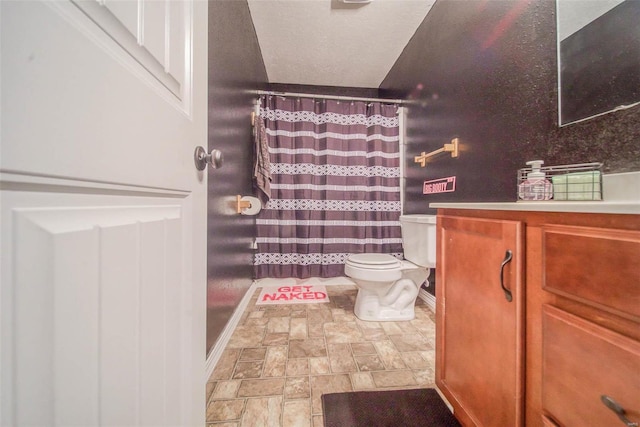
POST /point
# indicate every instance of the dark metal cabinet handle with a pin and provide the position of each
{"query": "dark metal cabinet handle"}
(619, 410)
(507, 259)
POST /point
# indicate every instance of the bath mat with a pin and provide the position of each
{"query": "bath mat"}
(299, 294)
(418, 407)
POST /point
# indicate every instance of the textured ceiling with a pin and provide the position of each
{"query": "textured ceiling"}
(331, 43)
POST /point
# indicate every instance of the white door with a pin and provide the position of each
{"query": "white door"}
(103, 214)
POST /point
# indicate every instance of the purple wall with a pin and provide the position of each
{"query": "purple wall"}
(235, 67)
(485, 71)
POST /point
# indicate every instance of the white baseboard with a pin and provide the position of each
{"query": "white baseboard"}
(223, 339)
(429, 299)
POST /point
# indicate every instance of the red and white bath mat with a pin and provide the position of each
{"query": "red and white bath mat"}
(298, 294)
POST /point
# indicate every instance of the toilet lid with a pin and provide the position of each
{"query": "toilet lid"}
(374, 261)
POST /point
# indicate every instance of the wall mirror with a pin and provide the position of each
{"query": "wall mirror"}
(598, 57)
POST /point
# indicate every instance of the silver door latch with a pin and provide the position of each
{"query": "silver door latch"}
(202, 159)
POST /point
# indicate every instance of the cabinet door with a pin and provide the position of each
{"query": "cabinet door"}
(599, 267)
(479, 364)
(584, 363)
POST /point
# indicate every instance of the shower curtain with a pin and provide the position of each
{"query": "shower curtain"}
(335, 185)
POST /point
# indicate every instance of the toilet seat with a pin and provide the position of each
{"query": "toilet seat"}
(374, 261)
(373, 267)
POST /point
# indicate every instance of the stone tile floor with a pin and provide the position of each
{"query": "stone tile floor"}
(282, 358)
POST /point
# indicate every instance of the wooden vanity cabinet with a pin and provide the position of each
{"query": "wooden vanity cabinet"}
(608, 367)
(572, 333)
(590, 324)
(480, 326)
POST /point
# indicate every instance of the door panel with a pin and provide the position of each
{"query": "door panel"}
(150, 32)
(97, 292)
(103, 216)
(72, 94)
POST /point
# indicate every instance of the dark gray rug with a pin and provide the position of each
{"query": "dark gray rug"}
(418, 407)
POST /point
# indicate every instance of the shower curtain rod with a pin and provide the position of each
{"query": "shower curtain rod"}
(344, 98)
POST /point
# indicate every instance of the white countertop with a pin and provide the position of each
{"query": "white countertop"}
(621, 192)
(561, 206)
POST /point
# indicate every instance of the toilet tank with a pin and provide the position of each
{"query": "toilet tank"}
(419, 239)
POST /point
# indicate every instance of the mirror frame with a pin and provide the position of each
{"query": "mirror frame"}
(559, 68)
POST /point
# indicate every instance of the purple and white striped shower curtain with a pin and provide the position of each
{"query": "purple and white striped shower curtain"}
(335, 185)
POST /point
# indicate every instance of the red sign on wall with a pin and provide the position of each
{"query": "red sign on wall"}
(442, 185)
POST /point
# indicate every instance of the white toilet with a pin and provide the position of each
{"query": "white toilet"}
(388, 287)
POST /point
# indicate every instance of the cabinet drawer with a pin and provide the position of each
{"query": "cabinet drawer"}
(582, 362)
(596, 266)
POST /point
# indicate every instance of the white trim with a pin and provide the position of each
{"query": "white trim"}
(225, 336)
(24, 181)
(429, 299)
(402, 121)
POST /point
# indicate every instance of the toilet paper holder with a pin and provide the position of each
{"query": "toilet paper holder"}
(241, 204)
(247, 205)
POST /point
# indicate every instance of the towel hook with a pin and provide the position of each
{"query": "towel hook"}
(202, 159)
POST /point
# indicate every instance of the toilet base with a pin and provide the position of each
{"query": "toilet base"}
(368, 308)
